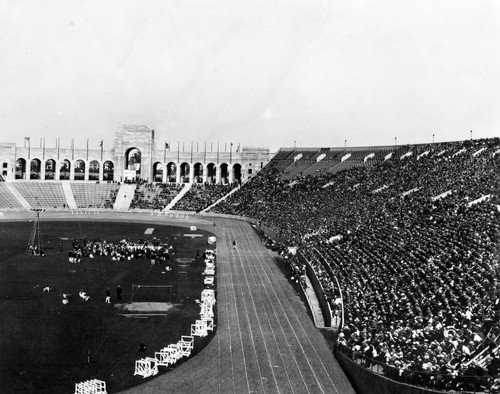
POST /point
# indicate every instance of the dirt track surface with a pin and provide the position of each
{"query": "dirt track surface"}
(265, 342)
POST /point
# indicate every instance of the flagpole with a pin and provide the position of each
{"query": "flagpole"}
(178, 152)
(102, 147)
(87, 149)
(29, 150)
(165, 154)
(231, 153)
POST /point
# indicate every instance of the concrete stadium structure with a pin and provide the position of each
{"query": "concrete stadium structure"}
(135, 155)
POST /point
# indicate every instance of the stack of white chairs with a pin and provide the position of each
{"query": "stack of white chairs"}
(93, 386)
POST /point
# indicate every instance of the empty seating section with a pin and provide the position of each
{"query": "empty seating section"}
(94, 195)
(420, 277)
(7, 199)
(282, 159)
(200, 197)
(44, 194)
(297, 167)
(154, 195)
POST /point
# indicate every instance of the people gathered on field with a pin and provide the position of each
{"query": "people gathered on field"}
(414, 243)
(123, 250)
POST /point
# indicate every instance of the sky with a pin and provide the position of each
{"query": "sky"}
(260, 73)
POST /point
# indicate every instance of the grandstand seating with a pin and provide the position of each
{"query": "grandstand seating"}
(7, 199)
(202, 196)
(44, 194)
(94, 195)
(154, 196)
(410, 266)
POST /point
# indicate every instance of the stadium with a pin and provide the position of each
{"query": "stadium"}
(223, 196)
(369, 269)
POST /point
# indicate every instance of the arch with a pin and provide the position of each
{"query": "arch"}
(157, 172)
(224, 174)
(50, 169)
(108, 171)
(171, 172)
(79, 170)
(237, 173)
(133, 159)
(185, 171)
(198, 173)
(20, 168)
(211, 173)
(35, 169)
(65, 170)
(94, 168)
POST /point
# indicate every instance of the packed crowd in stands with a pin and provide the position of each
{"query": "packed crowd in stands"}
(201, 196)
(413, 242)
(122, 250)
(155, 196)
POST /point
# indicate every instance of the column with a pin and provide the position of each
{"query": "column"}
(178, 173)
(164, 173)
(217, 174)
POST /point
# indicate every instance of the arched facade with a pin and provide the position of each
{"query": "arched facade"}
(133, 152)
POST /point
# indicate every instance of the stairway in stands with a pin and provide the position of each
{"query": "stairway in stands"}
(181, 194)
(124, 197)
(68, 193)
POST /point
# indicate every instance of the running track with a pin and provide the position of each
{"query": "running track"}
(265, 341)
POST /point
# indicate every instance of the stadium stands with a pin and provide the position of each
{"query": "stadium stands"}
(420, 275)
(7, 199)
(45, 194)
(94, 195)
(202, 196)
(154, 195)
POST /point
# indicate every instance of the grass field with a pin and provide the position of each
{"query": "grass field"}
(44, 344)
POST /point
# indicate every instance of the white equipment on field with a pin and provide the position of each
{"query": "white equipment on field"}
(93, 386)
(208, 296)
(146, 367)
(207, 311)
(186, 344)
(209, 281)
(200, 328)
(209, 271)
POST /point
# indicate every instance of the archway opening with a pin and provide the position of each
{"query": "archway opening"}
(108, 173)
(35, 169)
(94, 168)
(185, 171)
(171, 172)
(79, 170)
(65, 170)
(211, 173)
(50, 169)
(237, 173)
(224, 174)
(198, 173)
(158, 172)
(20, 169)
(133, 158)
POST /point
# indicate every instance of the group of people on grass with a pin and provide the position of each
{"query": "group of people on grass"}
(123, 250)
(413, 242)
